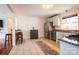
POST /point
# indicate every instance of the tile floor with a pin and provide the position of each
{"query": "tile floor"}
(29, 47)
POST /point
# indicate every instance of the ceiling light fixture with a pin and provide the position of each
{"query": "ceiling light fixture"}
(47, 6)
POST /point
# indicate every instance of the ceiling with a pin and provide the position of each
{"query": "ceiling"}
(4, 10)
(37, 10)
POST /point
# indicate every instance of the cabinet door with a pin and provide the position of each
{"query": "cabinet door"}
(34, 34)
(55, 20)
(68, 49)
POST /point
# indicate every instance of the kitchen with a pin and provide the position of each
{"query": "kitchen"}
(65, 29)
(59, 27)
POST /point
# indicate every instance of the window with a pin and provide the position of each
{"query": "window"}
(70, 23)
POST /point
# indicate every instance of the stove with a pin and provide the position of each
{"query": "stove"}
(72, 39)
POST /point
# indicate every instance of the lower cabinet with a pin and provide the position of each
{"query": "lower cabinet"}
(51, 35)
(68, 49)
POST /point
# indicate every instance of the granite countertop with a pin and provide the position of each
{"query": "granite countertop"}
(76, 43)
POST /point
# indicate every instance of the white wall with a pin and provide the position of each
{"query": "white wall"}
(4, 13)
(4, 28)
(26, 23)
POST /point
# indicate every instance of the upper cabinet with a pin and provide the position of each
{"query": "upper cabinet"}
(55, 20)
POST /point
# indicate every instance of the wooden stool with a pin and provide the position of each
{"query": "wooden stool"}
(19, 37)
(8, 37)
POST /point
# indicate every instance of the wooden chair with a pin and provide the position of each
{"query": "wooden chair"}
(19, 37)
(8, 39)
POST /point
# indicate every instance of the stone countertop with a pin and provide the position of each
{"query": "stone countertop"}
(69, 41)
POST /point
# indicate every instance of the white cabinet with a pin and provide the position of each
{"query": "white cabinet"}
(56, 20)
(68, 49)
